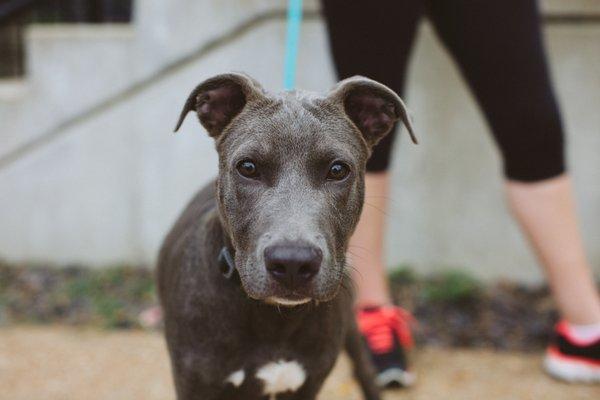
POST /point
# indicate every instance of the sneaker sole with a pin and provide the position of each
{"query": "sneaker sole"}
(395, 377)
(570, 369)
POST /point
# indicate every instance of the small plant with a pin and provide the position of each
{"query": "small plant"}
(451, 286)
(113, 313)
(402, 275)
(111, 297)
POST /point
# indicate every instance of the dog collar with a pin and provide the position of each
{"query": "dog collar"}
(226, 263)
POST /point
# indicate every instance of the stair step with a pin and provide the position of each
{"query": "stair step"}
(88, 62)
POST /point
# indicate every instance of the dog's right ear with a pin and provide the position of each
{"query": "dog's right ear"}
(218, 100)
(372, 107)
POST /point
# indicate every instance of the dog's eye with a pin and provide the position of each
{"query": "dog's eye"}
(338, 171)
(247, 168)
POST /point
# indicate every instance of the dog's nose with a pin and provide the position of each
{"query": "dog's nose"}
(293, 265)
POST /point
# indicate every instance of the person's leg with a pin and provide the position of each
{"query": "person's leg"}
(366, 245)
(546, 211)
(373, 39)
(499, 48)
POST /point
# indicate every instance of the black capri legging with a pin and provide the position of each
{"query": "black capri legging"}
(499, 49)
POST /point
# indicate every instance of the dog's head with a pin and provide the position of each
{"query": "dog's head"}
(291, 177)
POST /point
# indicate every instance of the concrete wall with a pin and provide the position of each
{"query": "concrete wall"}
(105, 188)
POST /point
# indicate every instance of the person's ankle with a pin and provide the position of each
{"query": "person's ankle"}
(583, 332)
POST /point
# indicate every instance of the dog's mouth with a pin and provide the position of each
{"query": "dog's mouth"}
(288, 297)
(277, 295)
(289, 301)
(309, 295)
(272, 284)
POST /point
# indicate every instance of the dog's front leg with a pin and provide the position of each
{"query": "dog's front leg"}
(190, 386)
(309, 390)
(199, 392)
(364, 371)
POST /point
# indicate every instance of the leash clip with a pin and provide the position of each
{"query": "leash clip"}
(226, 263)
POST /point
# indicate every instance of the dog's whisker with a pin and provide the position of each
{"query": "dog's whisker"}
(355, 271)
(358, 246)
(354, 255)
(384, 212)
(350, 278)
(390, 200)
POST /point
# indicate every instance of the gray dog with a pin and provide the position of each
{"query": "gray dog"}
(250, 275)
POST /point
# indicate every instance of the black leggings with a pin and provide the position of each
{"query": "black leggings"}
(499, 49)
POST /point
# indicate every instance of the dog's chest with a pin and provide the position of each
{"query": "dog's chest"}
(276, 364)
(270, 379)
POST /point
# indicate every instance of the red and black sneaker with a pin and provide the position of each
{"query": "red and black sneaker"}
(572, 360)
(386, 331)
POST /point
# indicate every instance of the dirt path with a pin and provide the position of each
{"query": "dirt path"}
(68, 364)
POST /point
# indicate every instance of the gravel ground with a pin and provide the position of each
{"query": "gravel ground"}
(58, 363)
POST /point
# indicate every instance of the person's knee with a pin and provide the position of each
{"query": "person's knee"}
(536, 150)
(378, 164)
(382, 153)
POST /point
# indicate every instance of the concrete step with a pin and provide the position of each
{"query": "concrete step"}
(571, 7)
(69, 68)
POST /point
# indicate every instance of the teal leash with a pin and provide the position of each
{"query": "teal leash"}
(294, 20)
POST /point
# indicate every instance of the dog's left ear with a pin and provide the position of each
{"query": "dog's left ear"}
(373, 107)
(218, 100)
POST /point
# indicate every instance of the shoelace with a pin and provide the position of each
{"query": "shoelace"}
(379, 325)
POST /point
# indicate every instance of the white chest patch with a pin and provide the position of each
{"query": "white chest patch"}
(281, 376)
(236, 378)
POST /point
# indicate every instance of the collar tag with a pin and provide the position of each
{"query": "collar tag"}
(226, 263)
